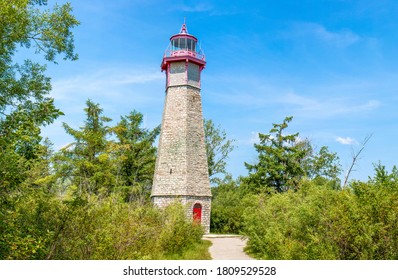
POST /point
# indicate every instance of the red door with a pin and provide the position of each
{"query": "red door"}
(197, 212)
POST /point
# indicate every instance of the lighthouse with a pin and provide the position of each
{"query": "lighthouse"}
(181, 171)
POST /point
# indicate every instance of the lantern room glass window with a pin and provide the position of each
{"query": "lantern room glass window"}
(183, 44)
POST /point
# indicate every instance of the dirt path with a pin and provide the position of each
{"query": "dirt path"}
(227, 247)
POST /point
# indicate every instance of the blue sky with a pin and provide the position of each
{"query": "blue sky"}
(332, 65)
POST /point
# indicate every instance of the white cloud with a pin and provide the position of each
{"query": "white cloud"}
(306, 103)
(346, 140)
(328, 107)
(104, 82)
(342, 38)
(332, 99)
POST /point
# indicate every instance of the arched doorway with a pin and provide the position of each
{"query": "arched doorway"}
(197, 212)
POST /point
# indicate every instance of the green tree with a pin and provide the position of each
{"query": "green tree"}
(87, 163)
(24, 87)
(285, 159)
(325, 164)
(28, 208)
(136, 156)
(383, 177)
(324, 168)
(218, 148)
(279, 167)
(227, 207)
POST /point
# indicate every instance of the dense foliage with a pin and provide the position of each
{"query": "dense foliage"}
(97, 164)
(83, 203)
(45, 227)
(227, 207)
(318, 222)
(24, 87)
(284, 160)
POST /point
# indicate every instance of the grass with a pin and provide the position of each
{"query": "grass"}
(199, 251)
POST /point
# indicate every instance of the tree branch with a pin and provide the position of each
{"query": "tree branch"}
(355, 158)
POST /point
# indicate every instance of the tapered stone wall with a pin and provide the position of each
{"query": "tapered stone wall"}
(181, 170)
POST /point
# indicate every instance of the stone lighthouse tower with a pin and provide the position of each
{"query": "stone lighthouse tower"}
(181, 171)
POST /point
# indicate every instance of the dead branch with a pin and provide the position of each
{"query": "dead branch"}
(355, 158)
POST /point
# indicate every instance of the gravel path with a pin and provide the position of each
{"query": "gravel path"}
(227, 247)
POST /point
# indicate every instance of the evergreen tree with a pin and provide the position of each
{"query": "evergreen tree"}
(285, 159)
(136, 156)
(87, 162)
(280, 157)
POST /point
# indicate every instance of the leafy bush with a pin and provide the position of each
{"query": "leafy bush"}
(178, 234)
(41, 226)
(226, 208)
(317, 222)
(111, 229)
(28, 224)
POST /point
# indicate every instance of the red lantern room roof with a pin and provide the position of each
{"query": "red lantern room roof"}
(183, 34)
(183, 47)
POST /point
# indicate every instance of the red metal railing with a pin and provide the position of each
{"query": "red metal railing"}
(176, 53)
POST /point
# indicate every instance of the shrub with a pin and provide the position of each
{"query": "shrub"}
(178, 234)
(42, 226)
(226, 208)
(317, 222)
